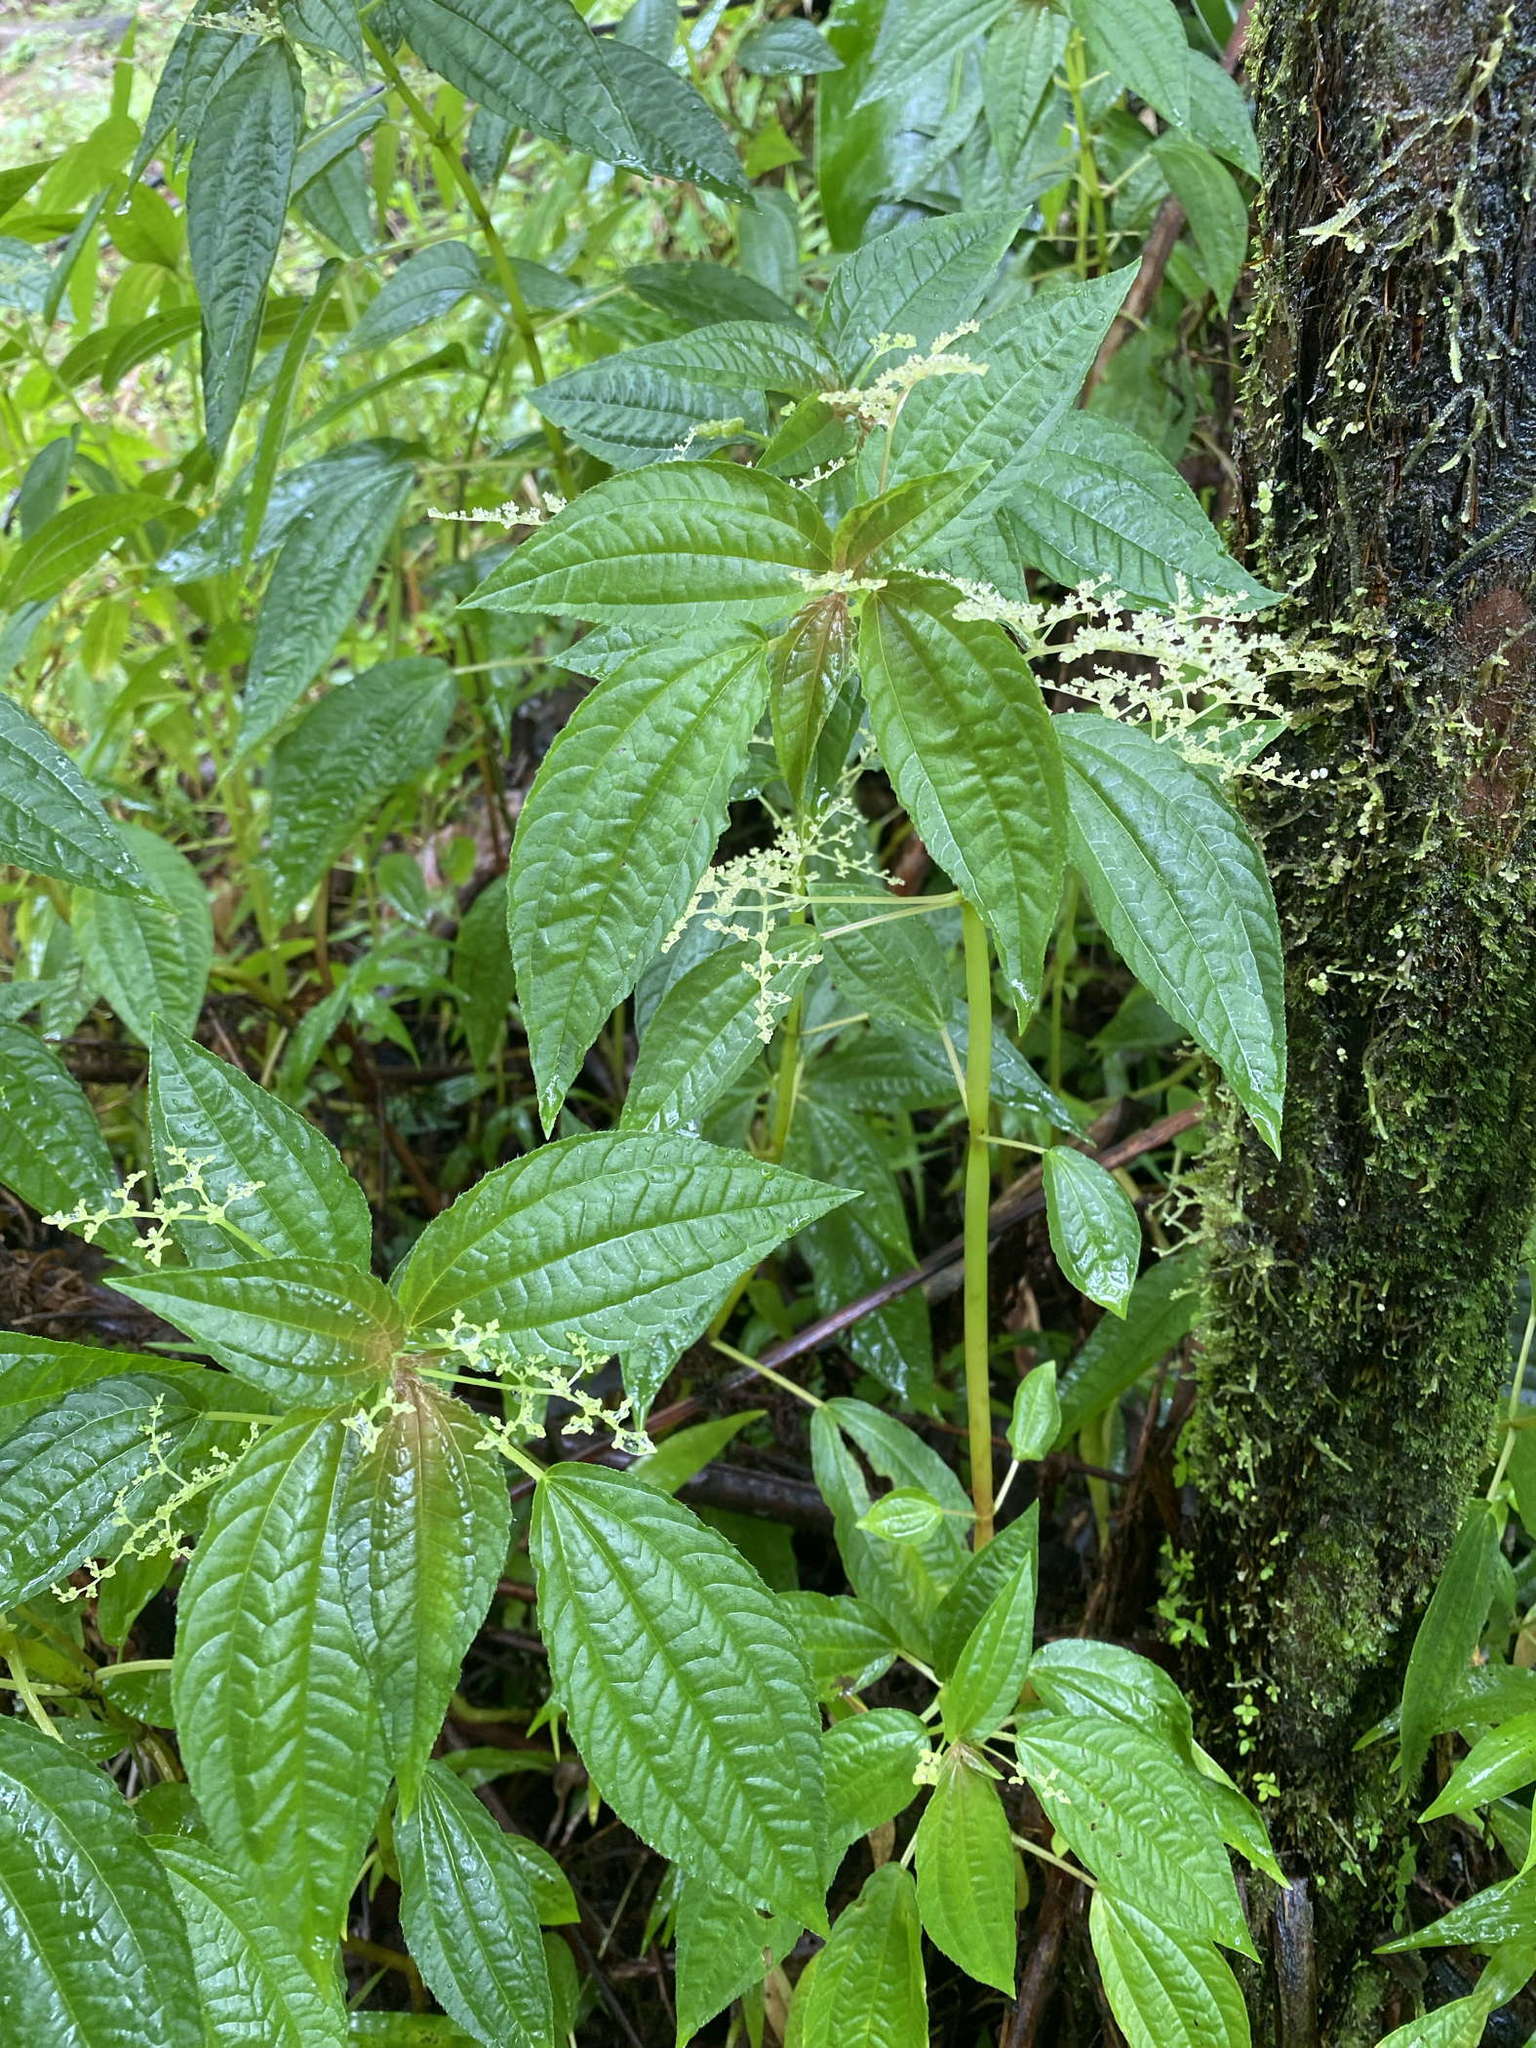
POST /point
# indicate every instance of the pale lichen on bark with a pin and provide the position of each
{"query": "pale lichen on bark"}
(1360, 1287)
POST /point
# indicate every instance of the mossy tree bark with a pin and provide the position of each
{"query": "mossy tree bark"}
(1361, 1286)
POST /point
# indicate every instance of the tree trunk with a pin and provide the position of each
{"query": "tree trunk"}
(1361, 1287)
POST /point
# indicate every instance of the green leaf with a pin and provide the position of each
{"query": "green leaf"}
(78, 1476)
(318, 581)
(632, 414)
(149, 958)
(91, 1944)
(200, 60)
(989, 1672)
(863, 532)
(423, 1538)
(615, 1238)
(1449, 1633)
(904, 1515)
(677, 134)
(809, 670)
(50, 821)
(35, 1372)
(724, 1947)
(687, 1451)
(1094, 1229)
(1501, 1913)
(918, 278)
(1037, 354)
(684, 544)
(986, 1572)
(846, 1645)
(1142, 43)
(870, 1760)
(1019, 65)
(967, 741)
(913, 38)
(1461, 2024)
(306, 1331)
(73, 540)
(469, 1917)
(868, 1990)
(685, 1690)
(251, 1985)
(52, 1153)
(237, 195)
(1036, 1420)
(648, 403)
(1499, 1762)
(1159, 1315)
(789, 48)
(483, 974)
(618, 827)
(1086, 1678)
(538, 66)
(281, 1742)
(1181, 892)
(425, 287)
(861, 1244)
(1121, 1798)
(1218, 114)
(904, 1583)
(345, 755)
(1100, 504)
(303, 1204)
(1216, 210)
(895, 969)
(965, 1873)
(708, 1027)
(1165, 1991)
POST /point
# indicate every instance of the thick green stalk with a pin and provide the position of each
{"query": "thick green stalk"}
(978, 1192)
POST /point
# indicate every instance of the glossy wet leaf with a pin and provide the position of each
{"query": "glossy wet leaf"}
(306, 1331)
(965, 1872)
(1181, 892)
(50, 820)
(237, 193)
(92, 1939)
(282, 1744)
(609, 1238)
(686, 1692)
(470, 1918)
(251, 1985)
(1094, 1230)
(302, 1202)
(149, 957)
(1122, 1802)
(617, 829)
(1165, 1990)
(52, 1152)
(967, 741)
(78, 1477)
(424, 1528)
(868, 1990)
(686, 544)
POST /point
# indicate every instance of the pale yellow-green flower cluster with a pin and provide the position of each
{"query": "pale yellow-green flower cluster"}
(186, 1198)
(877, 404)
(531, 1377)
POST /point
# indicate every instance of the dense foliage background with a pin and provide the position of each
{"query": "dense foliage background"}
(627, 702)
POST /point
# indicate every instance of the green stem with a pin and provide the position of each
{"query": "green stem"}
(743, 1358)
(978, 1192)
(1061, 960)
(21, 1678)
(435, 135)
(1516, 1395)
